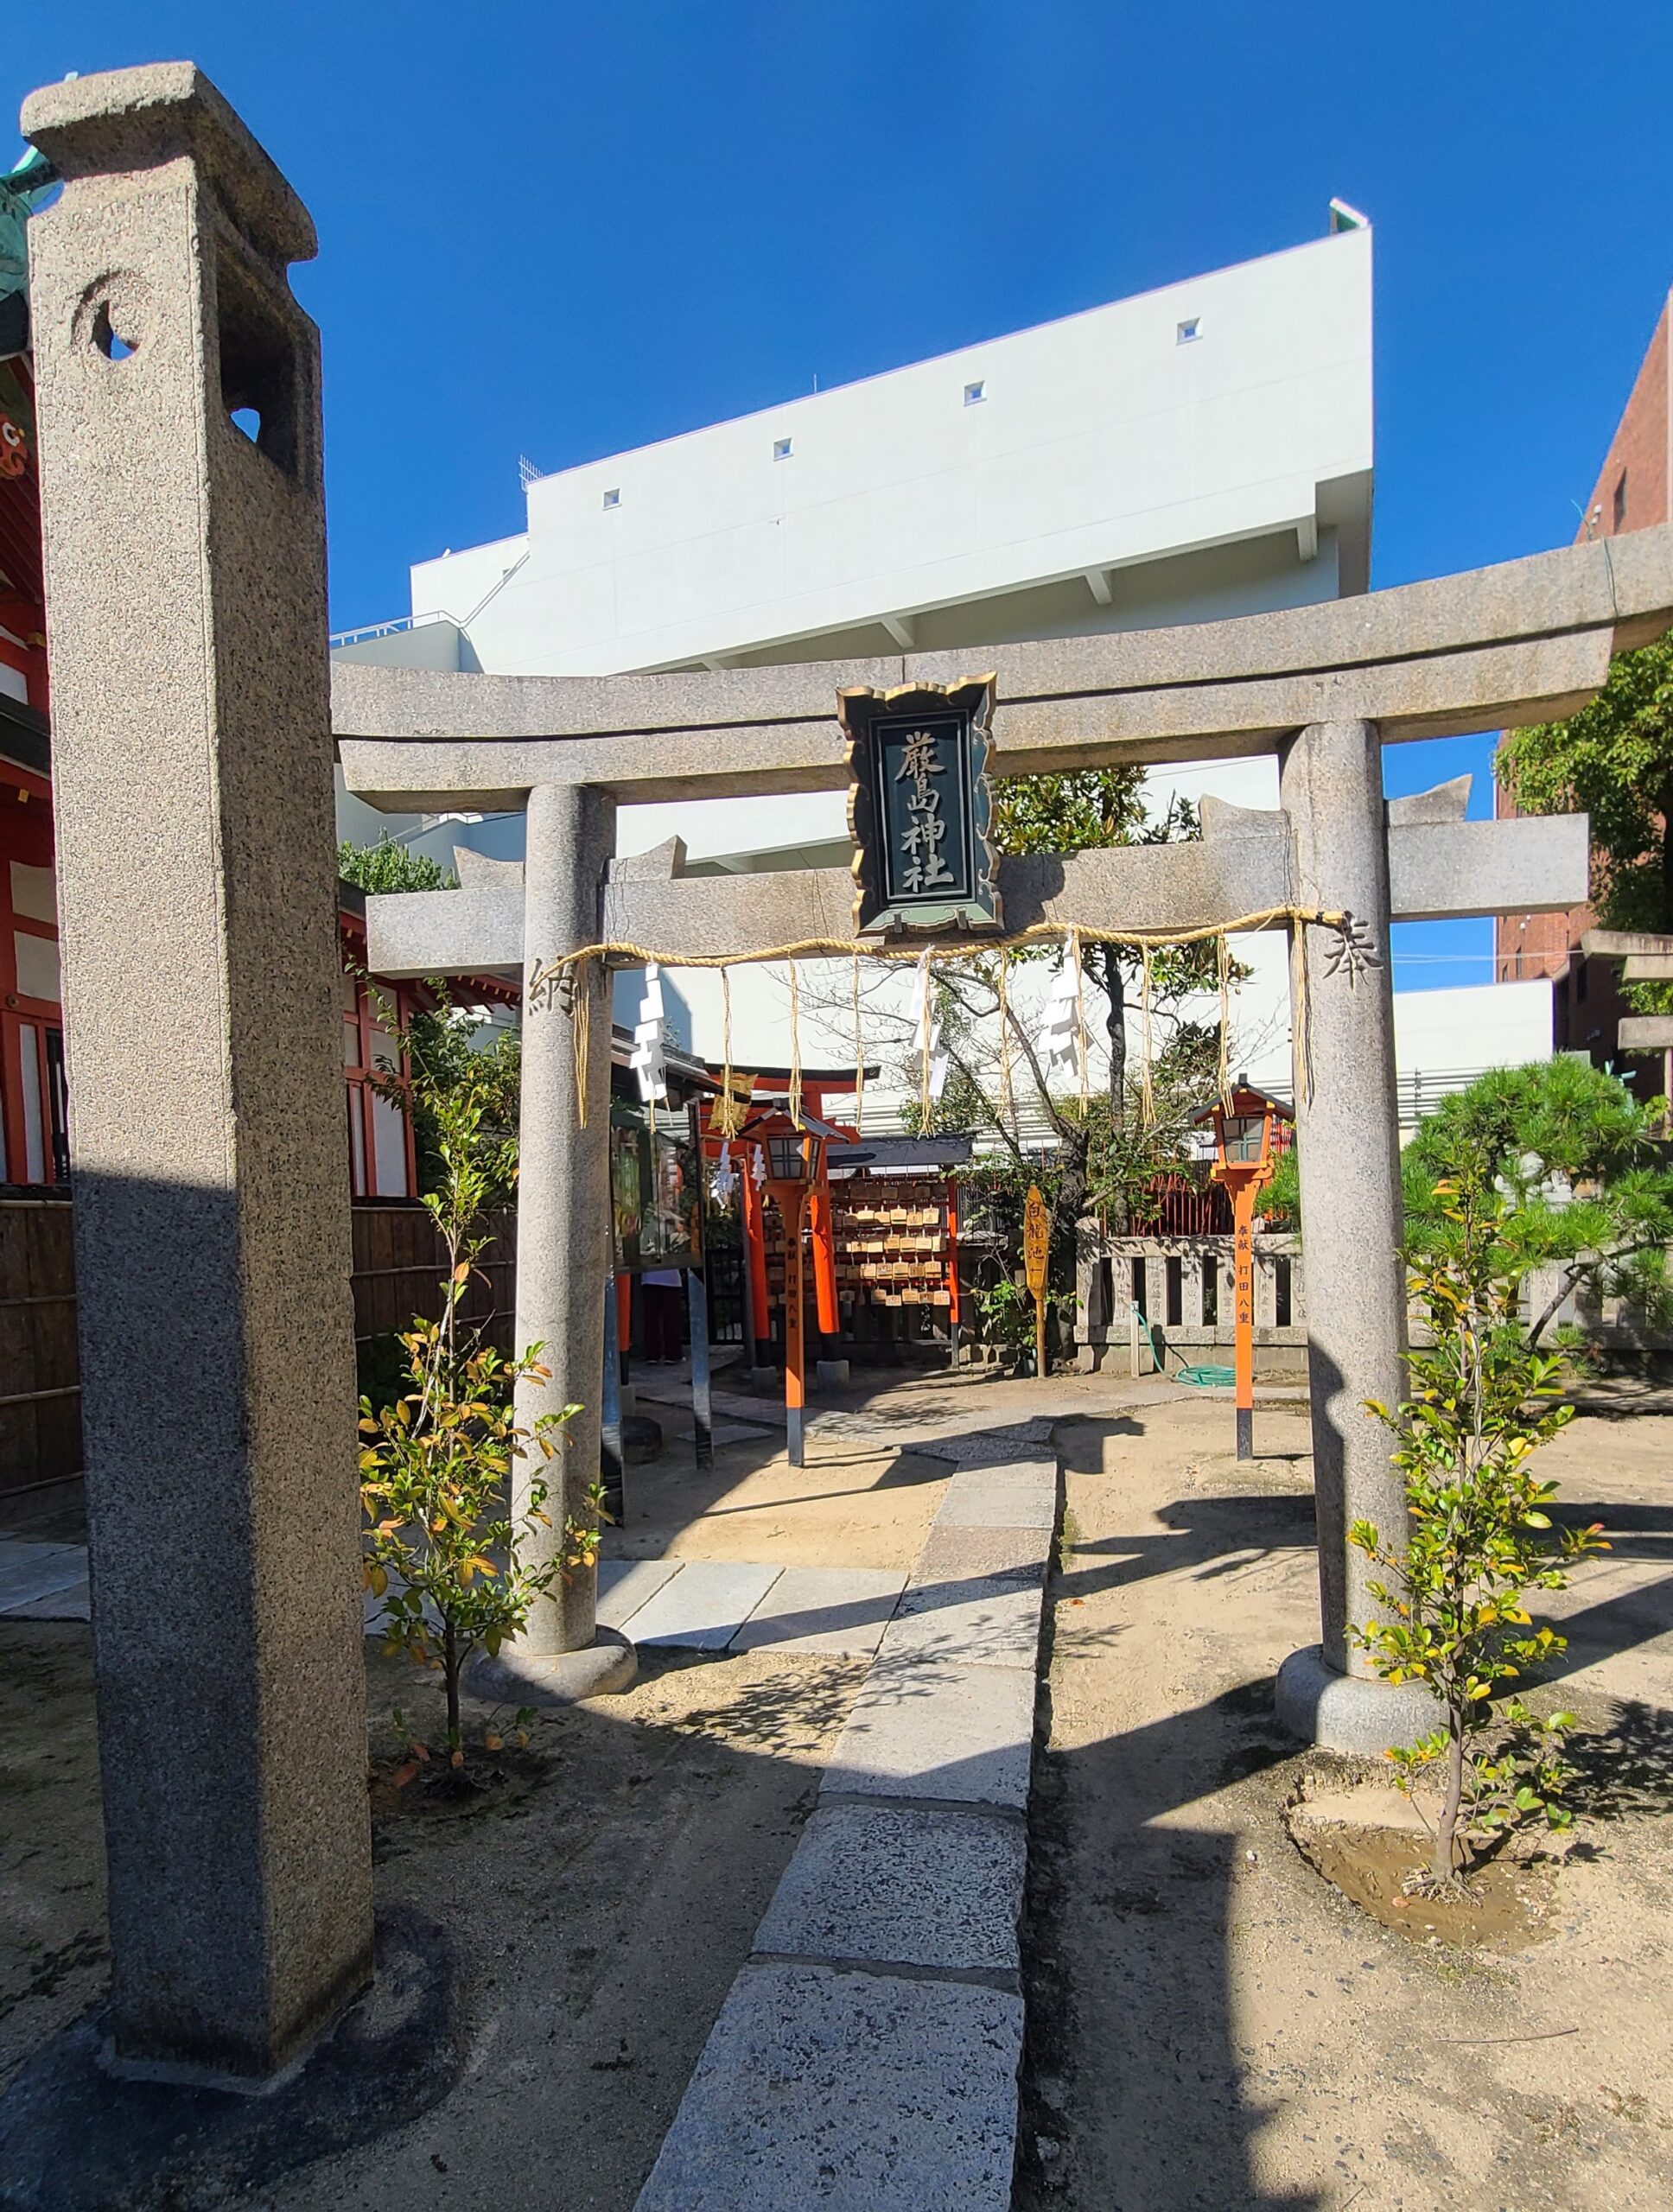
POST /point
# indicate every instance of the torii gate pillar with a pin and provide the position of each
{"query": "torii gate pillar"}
(1348, 1154)
(563, 1238)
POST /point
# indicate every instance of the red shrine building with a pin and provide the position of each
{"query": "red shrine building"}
(34, 1131)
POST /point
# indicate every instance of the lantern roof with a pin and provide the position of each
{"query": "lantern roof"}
(1245, 1098)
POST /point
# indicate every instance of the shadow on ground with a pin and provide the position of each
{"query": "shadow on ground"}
(1127, 1930)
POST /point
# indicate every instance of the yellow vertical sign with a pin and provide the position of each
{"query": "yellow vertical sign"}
(1036, 1252)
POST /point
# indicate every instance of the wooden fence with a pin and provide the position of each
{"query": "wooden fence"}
(40, 1388)
(399, 1263)
(398, 1270)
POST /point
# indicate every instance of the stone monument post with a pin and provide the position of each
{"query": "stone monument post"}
(191, 774)
(1348, 1136)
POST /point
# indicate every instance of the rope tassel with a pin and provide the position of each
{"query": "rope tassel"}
(859, 1052)
(580, 1018)
(794, 1101)
(1007, 1096)
(562, 980)
(1147, 1068)
(1222, 965)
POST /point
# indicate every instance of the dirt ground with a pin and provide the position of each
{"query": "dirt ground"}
(604, 1904)
(1211, 2023)
(851, 1506)
(605, 1898)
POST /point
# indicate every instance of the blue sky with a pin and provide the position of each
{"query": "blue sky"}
(561, 229)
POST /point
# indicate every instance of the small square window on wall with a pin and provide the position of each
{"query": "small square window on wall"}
(781, 448)
(976, 393)
(613, 499)
(1189, 329)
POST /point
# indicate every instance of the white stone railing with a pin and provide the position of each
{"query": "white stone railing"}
(1182, 1285)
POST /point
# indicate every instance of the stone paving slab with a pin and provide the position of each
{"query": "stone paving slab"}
(30, 1571)
(625, 1584)
(853, 2092)
(835, 1609)
(72, 1604)
(989, 1447)
(755, 1414)
(703, 1607)
(903, 1886)
(955, 1554)
(933, 1730)
(866, 2057)
(1016, 1494)
(975, 1622)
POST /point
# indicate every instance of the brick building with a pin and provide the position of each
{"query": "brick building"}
(1631, 492)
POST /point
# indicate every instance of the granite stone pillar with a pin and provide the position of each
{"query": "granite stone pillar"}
(1347, 1130)
(192, 798)
(563, 1254)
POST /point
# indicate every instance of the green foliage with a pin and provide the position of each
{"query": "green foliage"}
(1091, 810)
(443, 1547)
(1086, 812)
(1106, 1150)
(1613, 761)
(1281, 1201)
(389, 867)
(1126, 1152)
(458, 1056)
(1479, 1536)
(1584, 1179)
(1008, 1314)
(1584, 1172)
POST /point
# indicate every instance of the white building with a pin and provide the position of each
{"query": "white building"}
(1200, 451)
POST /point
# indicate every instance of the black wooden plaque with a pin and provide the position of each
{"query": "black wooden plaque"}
(920, 810)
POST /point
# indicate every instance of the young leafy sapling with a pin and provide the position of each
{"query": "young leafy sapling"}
(444, 1550)
(1480, 1537)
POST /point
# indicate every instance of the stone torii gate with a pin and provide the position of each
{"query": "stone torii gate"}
(1324, 688)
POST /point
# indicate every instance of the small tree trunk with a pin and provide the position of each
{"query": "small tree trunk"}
(1444, 1866)
(452, 1659)
(1570, 1277)
(1115, 1028)
(1070, 1200)
(1118, 1211)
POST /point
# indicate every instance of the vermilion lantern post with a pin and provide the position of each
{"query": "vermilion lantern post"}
(1245, 1160)
(794, 1160)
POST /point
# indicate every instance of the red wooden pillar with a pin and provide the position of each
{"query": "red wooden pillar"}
(790, 1198)
(1243, 1245)
(823, 1230)
(624, 1312)
(952, 1271)
(754, 1242)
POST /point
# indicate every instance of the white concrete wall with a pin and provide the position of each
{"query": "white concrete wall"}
(1463, 1030)
(1110, 476)
(1102, 443)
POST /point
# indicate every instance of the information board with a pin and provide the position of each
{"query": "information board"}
(656, 1189)
(1036, 1242)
